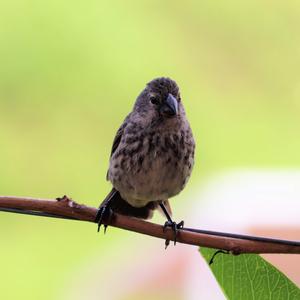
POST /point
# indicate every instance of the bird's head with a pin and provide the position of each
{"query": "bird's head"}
(160, 99)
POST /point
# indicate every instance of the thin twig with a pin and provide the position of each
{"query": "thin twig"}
(68, 209)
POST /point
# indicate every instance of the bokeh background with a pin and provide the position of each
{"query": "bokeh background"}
(69, 74)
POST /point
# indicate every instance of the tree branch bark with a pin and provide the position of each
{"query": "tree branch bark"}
(68, 209)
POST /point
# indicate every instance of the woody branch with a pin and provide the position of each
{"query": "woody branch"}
(68, 209)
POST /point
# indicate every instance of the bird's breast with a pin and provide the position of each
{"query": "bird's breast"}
(152, 166)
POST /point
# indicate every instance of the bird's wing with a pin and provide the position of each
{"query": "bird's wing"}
(117, 139)
(119, 135)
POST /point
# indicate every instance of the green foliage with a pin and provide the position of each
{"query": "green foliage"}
(248, 276)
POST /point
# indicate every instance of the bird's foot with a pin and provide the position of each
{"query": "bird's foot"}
(174, 226)
(104, 213)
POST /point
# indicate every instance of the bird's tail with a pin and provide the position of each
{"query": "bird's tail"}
(119, 205)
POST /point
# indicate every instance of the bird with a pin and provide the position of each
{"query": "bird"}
(152, 156)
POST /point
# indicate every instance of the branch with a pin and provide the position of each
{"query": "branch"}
(68, 209)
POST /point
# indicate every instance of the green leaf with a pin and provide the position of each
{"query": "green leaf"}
(248, 276)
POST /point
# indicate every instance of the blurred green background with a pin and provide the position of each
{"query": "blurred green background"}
(69, 74)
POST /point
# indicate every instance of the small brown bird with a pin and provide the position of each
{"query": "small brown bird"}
(152, 155)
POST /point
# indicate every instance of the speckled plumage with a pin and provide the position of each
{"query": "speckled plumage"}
(153, 152)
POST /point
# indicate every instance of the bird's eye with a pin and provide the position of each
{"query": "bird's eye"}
(154, 100)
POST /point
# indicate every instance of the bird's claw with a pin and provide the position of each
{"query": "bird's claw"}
(104, 214)
(174, 226)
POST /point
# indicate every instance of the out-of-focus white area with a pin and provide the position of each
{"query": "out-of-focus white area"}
(234, 201)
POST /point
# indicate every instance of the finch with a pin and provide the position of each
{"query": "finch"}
(152, 155)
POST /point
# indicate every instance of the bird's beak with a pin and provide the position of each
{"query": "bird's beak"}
(170, 106)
